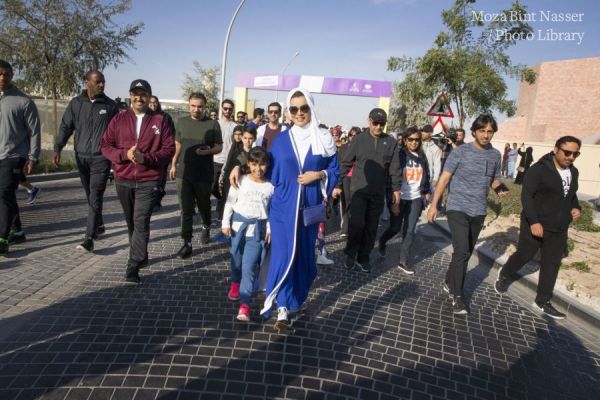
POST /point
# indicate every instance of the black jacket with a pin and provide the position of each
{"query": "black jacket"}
(374, 159)
(88, 120)
(543, 196)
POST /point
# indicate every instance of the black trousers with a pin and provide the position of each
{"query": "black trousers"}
(10, 174)
(365, 210)
(216, 191)
(191, 194)
(137, 200)
(552, 247)
(465, 231)
(93, 173)
(345, 201)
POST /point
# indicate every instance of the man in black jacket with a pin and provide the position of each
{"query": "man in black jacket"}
(88, 116)
(374, 155)
(549, 199)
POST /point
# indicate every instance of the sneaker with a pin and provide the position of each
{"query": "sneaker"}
(364, 266)
(132, 275)
(244, 313)
(3, 247)
(458, 306)
(15, 237)
(406, 269)
(349, 263)
(502, 283)
(234, 292)
(100, 230)
(381, 250)
(548, 309)
(446, 289)
(185, 251)
(87, 245)
(144, 262)
(343, 235)
(204, 234)
(282, 318)
(32, 196)
(323, 260)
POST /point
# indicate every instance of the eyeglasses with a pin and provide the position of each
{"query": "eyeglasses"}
(382, 123)
(413, 139)
(569, 153)
(274, 112)
(305, 108)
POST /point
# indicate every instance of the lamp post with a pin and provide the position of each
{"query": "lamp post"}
(224, 61)
(296, 54)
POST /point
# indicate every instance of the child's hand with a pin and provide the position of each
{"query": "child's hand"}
(226, 231)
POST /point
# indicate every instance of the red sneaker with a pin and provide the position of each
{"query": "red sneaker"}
(244, 313)
(234, 292)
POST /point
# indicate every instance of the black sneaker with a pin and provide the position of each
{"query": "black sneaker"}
(100, 230)
(185, 251)
(446, 289)
(32, 196)
(132, 276)
(406, 269)
(87, 245)
(548, 309)
(458, 307)
(3, 247)
(363, 266)
(349, 263)
(144, 263)
(16, 237)
(381, 250)
(502, 283)
(204, 234)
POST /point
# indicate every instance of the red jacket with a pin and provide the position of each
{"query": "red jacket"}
(155, 142)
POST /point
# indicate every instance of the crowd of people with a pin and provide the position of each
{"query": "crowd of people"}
(275, 184)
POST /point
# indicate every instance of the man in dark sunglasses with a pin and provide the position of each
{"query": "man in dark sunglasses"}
(550, 204)
(267, 133)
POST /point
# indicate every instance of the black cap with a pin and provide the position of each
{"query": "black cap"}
(140, 84)
(378, 115)
(427, 128)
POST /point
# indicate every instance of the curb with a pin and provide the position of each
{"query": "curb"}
(53, 176)
(574, 309)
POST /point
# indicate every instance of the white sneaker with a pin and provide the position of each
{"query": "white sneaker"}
(323, 260)
(282, 314)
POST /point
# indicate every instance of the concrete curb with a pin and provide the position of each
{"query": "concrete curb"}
(575, 310)
(54, 176)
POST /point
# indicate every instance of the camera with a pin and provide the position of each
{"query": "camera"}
(441, 139)
(451, 135)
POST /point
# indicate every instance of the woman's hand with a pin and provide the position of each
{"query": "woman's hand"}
(309, 177)
(234, 176)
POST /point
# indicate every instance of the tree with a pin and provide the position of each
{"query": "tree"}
(409, 102)
(204, 80)
(470, 69)
(53, 43)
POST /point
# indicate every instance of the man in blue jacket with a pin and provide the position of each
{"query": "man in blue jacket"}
(549, 198)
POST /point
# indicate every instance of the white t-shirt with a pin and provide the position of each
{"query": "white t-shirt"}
(251, 200)
(565, 176)
(227, 128)
(411, 182)
(138, 124)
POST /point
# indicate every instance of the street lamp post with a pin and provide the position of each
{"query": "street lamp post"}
(296, 54)
(224, 61)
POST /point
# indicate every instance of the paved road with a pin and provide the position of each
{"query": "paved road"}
(70, 329)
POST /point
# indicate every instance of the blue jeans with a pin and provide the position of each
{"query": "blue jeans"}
(511, 168)
(246, 255)
(405, 222)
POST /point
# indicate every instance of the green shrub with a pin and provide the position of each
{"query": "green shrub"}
(581, 266)
(45, 166)
(586, 220)
(570, 244)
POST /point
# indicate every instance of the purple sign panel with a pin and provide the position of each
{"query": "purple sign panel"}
(316, 84)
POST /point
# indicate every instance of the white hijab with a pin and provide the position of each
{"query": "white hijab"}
(321, 141)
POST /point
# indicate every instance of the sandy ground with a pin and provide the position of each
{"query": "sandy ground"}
(500, 235)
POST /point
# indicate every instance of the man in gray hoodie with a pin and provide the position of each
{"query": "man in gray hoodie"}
(20, 141)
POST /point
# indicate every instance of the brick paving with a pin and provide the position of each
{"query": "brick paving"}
(70, 328)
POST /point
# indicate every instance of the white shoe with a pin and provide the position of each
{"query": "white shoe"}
(282, 314)
(323, 260)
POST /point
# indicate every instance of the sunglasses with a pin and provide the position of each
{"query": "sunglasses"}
(569, 153)
(305, 108)
(274, 112)
(379, 123)
(412, 139)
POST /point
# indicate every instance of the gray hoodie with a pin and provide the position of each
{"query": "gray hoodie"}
(20, 132)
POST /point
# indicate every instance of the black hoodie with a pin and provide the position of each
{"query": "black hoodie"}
(543, 196)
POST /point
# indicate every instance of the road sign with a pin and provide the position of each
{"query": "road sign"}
(441, 107)
(439, 127)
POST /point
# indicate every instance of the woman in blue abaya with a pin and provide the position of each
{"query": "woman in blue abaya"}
(304, 170)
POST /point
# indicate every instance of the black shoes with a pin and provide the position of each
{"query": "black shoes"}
(548, 309)
(364, 266)
(87, 245)
(458, 306)
(15, 237)
(502, 283)
(132, 275)
(406, 269)
(185, 251)
(3, 247)
(349, 263)
(204, 234)
(381, 250)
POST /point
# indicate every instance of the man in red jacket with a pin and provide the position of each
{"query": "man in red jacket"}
(139, 142)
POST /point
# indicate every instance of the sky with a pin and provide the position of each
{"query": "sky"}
(335, 38)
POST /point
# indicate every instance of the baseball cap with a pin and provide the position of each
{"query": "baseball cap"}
(140, 84)
(378, 115)
(427, 128)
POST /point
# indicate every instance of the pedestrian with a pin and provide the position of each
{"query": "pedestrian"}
(434, 158)
(346, 195)
(374, 155)
(505, 155)
(270, 130)
(258, 115)
(524, 164)
(227, 126)
(197, 140)
(155, 106)
(240, 118)
(549, 200)
(214, 115)
(139, 143)
(88, 116)
(414, 195)
(303, 169)
(20, 144)
(512, 161)
(471, 169)
(245, 221)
